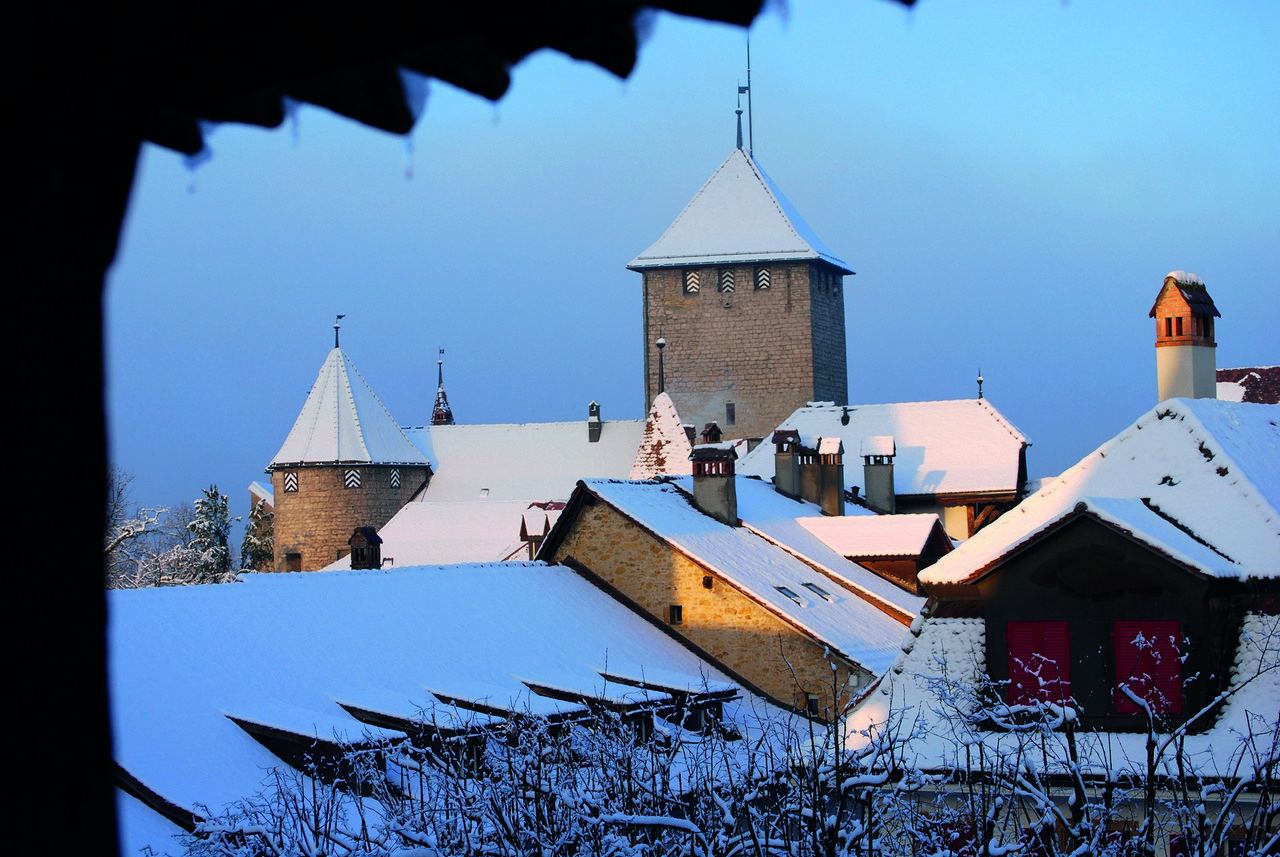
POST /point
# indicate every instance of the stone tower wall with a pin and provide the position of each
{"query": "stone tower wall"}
(768, 351)
(317, 520)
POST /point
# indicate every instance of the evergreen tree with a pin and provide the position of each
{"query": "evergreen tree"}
(258, 547)
(210, 530)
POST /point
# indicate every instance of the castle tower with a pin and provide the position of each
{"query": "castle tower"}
(346, 464)
(749, 303)
(1186, 353)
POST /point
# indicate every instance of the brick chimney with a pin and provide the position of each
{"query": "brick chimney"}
(878, 452)
(786, 468)
(715, 490)
(1186, 352)
(366, 548)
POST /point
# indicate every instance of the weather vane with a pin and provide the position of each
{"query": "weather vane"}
(336, 325)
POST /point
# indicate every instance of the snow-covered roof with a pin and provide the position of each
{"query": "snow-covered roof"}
(447, 532)
(931, 692)
(664, 447)
(259, 491)
(525, 461)
(784, 521)
(1209, 472)
(739, 216)
(961, 446)
(870, 536)
(343, 421)
(288, 651)
(849, 623)
(1258, 384)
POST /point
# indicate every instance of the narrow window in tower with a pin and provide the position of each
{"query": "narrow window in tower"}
(762, 279)
(691, 284)
(726, 280)
(676, 614)
(730, 414)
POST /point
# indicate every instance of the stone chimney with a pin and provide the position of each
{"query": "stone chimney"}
(878, 452)
(594, 425)
(366, 548)
(715, 489)
(786, 467)
(810, 478)
(831, 476)
(1186, 352)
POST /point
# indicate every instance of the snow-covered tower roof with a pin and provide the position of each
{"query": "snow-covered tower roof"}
(343, 421)
(739, 216)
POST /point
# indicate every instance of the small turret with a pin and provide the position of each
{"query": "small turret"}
(1186, 353)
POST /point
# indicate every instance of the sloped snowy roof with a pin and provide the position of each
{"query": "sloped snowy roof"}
(1212, 467)
(783, 521)
(664, 447)
(449, 532)
(849, 623)
(740, 216)
(523, 461)
(874, 535)
(932, 687)
(287, 650)
(960, 446)
(1258, 384)
(343, 421)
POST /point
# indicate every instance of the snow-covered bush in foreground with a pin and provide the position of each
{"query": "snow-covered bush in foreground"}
(971, 777)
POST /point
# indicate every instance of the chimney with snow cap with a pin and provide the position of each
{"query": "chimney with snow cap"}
(831, 476)
(810, 477)
(715, 490)
(594, 424)
(1186, 352)
(878, 452)
(786, 469)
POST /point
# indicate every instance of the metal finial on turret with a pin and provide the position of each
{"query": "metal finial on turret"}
(980, 379)
(441, 413)
(335, 329)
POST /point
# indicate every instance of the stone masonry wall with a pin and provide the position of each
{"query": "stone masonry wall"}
(720, 621)
(317, 520)
(769, 351)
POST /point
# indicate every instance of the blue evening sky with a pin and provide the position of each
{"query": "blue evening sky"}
(1011, 181)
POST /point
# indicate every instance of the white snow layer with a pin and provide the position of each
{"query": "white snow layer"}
(739, 215)
(958, 446)
(283, 650)
(1211, 466)
(849, 623)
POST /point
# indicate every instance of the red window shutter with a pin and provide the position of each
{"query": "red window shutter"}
(1149, 663)
(1039, 662)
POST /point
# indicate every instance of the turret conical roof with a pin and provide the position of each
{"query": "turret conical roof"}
(343, 421)
(739, 216)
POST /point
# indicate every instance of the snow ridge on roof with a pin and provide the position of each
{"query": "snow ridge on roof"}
(343, 421)
(1212, 467)
(739, 215)
(956, 446)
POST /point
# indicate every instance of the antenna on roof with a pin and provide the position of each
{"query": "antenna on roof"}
(335, 329)
(980, 379)
(751, 137)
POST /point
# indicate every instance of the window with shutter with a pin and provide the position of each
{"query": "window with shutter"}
(1149, 663)
(1039, 662)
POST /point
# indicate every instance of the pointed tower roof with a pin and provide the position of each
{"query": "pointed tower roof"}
(343, 421)
(441, 413)
(664, 448)
(740, 216)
